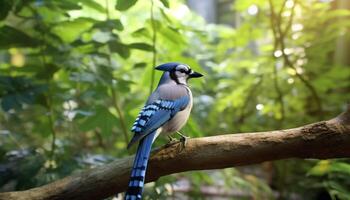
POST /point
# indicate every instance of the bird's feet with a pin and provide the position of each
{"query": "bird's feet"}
(171, 141)
(183, 139)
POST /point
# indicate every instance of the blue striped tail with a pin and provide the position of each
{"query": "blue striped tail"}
(138, 172)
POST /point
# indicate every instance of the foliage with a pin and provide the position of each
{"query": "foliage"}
(74, 74)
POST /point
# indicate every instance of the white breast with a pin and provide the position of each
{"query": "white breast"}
(180, 119)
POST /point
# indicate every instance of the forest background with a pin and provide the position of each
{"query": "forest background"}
(74, 75)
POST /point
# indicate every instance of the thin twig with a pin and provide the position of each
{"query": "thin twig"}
(289, 23)
(281, 11)
(52, 126)
(49, 106)
(275, 72)
(279, 95)
(100, 139)
(48, 97)
(120, 114)
(154, 42)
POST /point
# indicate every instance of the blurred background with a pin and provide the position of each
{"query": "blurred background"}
(75, 73)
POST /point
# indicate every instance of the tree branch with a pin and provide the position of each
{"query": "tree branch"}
(324, 139)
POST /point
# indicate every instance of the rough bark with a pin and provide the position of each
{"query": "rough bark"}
(325, 139)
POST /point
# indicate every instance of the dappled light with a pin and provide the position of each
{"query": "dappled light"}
(74, 75)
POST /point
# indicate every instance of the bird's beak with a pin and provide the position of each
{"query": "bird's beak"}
(194, 74)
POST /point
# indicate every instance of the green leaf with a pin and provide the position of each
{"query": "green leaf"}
(141, 46)
(165, 3)
(171, 34)
(10, 102)
(69, 31)
(119, 48)
(340, 167)
(66, 4)
(102, 119)
(123, 85)
(142, 32)
(110, 25)
(124, 4)
(94, 5)
(322, 168)
(5, 8)
(11, 37)
(338, 190)
(48, 72)
(102, 37)
(140, 65)
(16, 91)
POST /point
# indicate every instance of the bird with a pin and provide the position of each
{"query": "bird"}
(166, 111)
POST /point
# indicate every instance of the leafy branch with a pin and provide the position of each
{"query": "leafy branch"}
(113, 91)
(48, 97)
(275, 72)
(279, 39)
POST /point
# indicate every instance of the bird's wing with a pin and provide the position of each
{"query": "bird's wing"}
(155, 114)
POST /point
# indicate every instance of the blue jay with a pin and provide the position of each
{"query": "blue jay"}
(166, 111)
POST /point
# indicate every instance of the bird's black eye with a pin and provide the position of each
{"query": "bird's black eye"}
(182, 70)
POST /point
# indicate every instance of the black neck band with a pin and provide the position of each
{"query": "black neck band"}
(173, 76)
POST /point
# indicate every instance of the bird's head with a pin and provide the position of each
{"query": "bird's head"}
(179, 72)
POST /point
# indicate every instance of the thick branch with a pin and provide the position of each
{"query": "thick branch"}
(325, 139)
